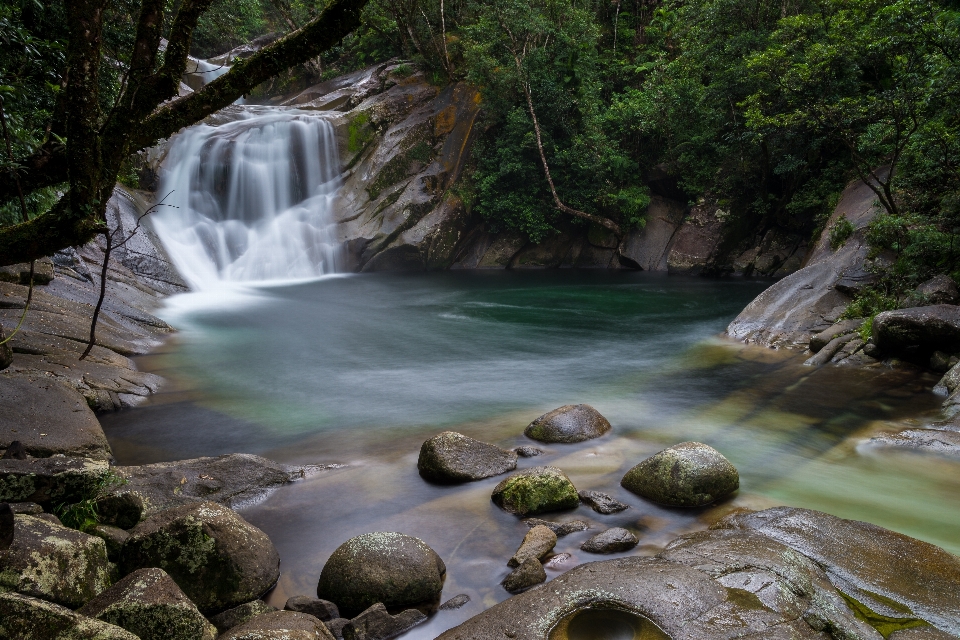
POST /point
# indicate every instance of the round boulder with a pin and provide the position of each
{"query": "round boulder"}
(396, 569)
(569, 423)
(536, 490)
(690, 474)
(453, 457)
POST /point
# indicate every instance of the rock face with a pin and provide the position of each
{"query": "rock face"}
(569, 423)
(46, 481)
(149, 604)
(376, 624)
(288, 625)
(397, 570)
(918, 331)
(690, 474)
(55, 563)
(538, 542)
(528, 574)
(216, 557)
(26, 618)
(536, 490)
(451, 457)
(611, 541)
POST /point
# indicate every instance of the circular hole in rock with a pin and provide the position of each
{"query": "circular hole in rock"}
(606, 624)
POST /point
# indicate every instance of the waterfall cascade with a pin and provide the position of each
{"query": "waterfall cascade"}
(250, 199)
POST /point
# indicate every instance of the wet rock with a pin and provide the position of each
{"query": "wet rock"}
(528, 574)
(226, 620)
(558, 561)
(536, 490)
(612, 540)
(26, 618)
(321, 609)
(53, 562)
(216, 557)
(601, 502)
(690, 474)
(528, 452)
(942, 441)
(392, 568)
(113, 537)
(538, 542)
(455, 602)
(46, 481)
(123, 510)
(49, 418)
(918, 331)
(15, 451)
(939, 290)
(453, 457)
(569, 423)
(149, 604)
(892, 574)
(376, 624)
(559, 528)
(823, 338)
(288, 625)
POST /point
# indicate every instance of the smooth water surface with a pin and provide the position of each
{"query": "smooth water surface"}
(359, 370)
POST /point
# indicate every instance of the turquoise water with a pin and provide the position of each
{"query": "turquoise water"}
(359, 370)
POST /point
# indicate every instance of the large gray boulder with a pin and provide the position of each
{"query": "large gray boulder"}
(50, 481)
(219, 559)
(536, 490)
(690, 474)
(569, 423)
(453, 457)
(26, 618)
(50, 561)
(396, 569)
(918, 331)
(149, 604)
(279, 625)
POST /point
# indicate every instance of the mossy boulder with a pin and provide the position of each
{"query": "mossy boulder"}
(690, 474)
(393, 568)
(536, 490)
(26, 618)
(285, 625)
(918, 331)
(149, 604)
(219, 559)
(567, 424)
(50, 561)
(451, 457)
(50, 481)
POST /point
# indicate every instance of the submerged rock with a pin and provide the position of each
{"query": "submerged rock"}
(569, 423)
(149, 604)
(453, 457)
(536, 490)
(376, 624)
(392, 568)
(538, 542)
(918, 331)
(611, 541)
(285, 625)
(226, 620)
(217, 558)
(321, 609)
(941, 440)
(26, 618)
(50, 561)
(690, 474)
(528, 574)
(601, 502)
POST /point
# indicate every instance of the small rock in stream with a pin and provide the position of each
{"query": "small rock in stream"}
(610, 541)
(528, 452)
(689, 474)
(538, 542)
(528, 574)
(451, 457)
(556, 562)
(536, 490)
(567, 424)
(455, 602)
(601, 502)
(322, 609)
(559, 528)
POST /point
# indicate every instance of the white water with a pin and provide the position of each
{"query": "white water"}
(250, 200)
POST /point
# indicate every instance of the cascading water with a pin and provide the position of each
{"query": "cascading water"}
(250, 199)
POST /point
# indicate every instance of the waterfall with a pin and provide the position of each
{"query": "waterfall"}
(251, 199)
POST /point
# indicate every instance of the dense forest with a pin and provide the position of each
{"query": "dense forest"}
(766, 109)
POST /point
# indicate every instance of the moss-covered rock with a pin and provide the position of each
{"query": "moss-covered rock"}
(216, 557)
(26, 618)
(569, 423)
(536, 490)
(237, 616)
(55, 563)
(50, 481)
(149, 604)
(453, 457)
(690, 474)
(396, 569)
(285, 625)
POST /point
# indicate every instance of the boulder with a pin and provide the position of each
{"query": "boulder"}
(559, 528)
(528, 574)
(601, 502)
(216, 557)
(376, 624)
(397, 570)
(226, 620)
(611, 541)
(26, 618)
(690, 474)
(321, 609)
(918, 331)
(538, 542)
(113, 537)
(52, 562)
(285, 625)
(569, 423)
(452, 457)
(940, 290)
(536, 490)
(150, 605)
(51, 481)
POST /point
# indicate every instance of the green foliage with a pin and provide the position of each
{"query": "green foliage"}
(83, 515)
(869, 302)
(227, 24)
(358, 133)
(840, 232)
